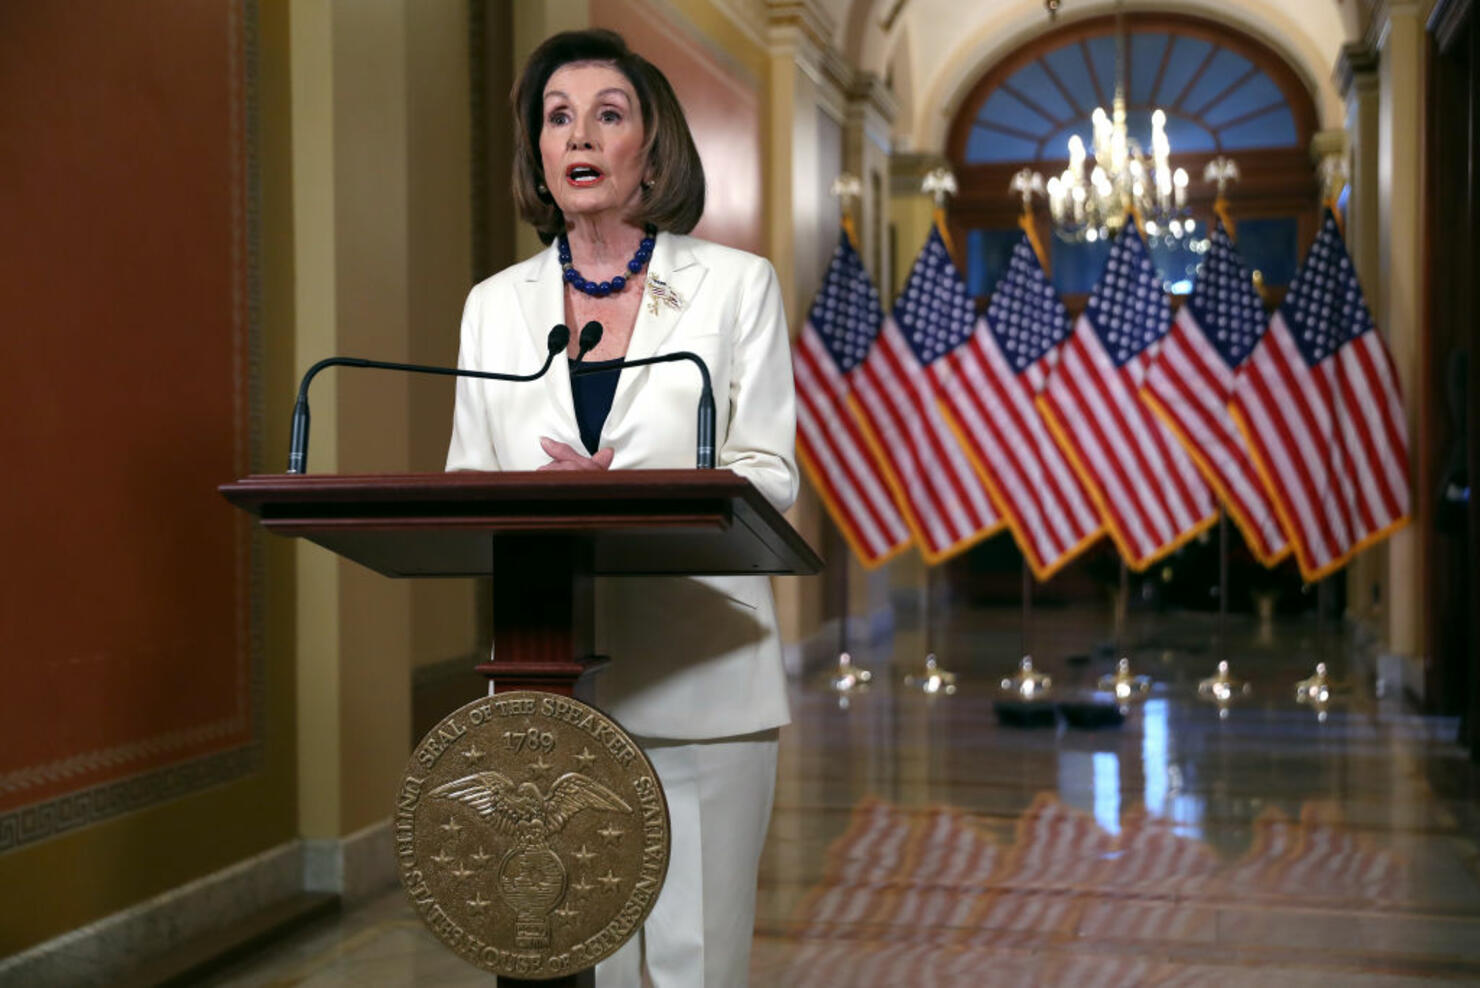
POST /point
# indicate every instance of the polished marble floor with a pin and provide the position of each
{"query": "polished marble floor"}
(916, 841)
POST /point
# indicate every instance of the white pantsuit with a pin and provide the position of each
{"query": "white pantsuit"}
(719, 801)
(696, 661)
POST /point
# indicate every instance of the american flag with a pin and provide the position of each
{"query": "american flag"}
(1148, 491)
(843, 322)
(945, 502)
(1189, 383)
(1318, 402)
(987, 382)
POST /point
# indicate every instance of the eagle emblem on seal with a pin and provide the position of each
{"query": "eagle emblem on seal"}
(532, 879)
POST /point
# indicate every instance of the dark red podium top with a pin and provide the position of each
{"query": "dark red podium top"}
(637, 522)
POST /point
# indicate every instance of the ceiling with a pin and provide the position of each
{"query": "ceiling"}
(936, 50)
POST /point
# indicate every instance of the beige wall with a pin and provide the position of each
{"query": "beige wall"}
(349, 66)
(383, 197)
(439, 274)
(1398, 306)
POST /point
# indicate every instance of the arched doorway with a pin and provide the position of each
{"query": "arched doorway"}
(1224, 93)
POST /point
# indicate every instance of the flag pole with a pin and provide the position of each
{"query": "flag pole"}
(1026, 183)
(1223, 171)
(940, 185)
(927, 615)
(1333, 180)
(1027, 609)
(1223, 584)
(1323, 637)
(847, 189)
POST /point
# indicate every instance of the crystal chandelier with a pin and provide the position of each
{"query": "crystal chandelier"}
(1124, 178)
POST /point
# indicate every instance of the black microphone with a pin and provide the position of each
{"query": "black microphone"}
(705, 446)
(590, 336)
(557, 341)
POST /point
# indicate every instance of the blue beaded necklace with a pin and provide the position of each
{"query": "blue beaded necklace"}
(605, 288)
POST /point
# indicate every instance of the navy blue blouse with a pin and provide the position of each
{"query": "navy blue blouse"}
(592, 394)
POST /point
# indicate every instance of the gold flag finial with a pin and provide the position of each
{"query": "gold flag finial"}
(1333, 178)
(1222, 171)
(847, 189)
(939, 185)
(1027, 183)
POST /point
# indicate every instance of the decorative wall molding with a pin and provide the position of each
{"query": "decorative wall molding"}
(750, 16)
(1357, 63)
(40, 821)
(868, 92)
(804, 29)
(809, 17)
(1381, 20)
(907, 169)
(1324, 143)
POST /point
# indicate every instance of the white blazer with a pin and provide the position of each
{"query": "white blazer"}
(692, 657)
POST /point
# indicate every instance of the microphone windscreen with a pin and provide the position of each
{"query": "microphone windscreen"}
(590, 335)
(559, 338)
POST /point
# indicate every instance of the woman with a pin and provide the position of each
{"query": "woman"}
(607, 172)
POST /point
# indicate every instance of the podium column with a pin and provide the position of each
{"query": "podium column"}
(543, 615)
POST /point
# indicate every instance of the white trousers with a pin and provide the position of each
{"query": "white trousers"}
(719, 805)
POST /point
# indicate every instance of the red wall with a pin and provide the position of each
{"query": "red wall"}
(125, 612)
(723, 110)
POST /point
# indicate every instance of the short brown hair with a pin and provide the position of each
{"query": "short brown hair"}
(675, 200)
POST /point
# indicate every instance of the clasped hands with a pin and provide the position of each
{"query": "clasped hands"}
(563, 457)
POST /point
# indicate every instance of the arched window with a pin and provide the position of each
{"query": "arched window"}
(1223, 93)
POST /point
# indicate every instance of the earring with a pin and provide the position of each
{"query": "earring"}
(540, 190)
(647, 183)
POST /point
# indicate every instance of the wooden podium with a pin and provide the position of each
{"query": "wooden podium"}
(542, 536)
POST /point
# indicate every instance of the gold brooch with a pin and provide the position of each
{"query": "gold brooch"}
(658, 291)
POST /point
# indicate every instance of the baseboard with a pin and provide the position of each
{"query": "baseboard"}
(196, 960)
(1401, 676)
(357, 867)
(101, 952)
(354, 869)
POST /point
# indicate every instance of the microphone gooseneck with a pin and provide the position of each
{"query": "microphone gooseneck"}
(704, 447)
(555, 343)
